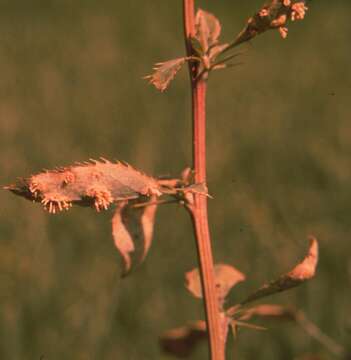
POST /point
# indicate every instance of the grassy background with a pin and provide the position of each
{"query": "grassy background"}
(279, 146)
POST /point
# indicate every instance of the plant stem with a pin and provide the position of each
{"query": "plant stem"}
(199, 209)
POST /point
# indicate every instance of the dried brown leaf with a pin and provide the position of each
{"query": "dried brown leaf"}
(122, 238)
(94, 183)
(182, 341)
(208, 29)
(132, 226)
(226, 277)
(165, 72)
(298, 275)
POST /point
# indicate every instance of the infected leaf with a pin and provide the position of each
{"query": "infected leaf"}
(273, 15)
(165, 72)
(132, 226)
(95, 183)
(226, 277)
(182, 341)
(208, 29)
(298, 275)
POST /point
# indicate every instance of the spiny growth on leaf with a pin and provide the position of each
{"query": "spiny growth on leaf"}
(100, 184)
(273, 15)
(94, 183)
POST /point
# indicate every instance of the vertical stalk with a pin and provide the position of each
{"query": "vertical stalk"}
(199, 209)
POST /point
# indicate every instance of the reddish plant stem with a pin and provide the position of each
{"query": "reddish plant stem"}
(199, 209)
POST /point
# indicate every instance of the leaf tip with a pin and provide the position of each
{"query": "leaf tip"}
(307, 268)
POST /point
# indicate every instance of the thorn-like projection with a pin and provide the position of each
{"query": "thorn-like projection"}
(105, 160)
(54, 206)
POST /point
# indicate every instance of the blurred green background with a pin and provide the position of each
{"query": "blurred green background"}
(279, 154)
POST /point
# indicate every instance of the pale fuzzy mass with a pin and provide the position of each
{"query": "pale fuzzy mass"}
(97, 183)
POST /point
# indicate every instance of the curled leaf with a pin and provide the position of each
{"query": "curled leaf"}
(94, 183)
(182, 341)
(226, 277)
(165, 72)
(130, 226)
(208, 29)
(298, 275)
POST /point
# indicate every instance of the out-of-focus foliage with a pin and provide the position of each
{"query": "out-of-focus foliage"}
(279, 146)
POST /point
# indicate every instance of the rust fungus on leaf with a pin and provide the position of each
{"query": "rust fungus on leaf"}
(273, 15)
(100, 184)
(94, 183)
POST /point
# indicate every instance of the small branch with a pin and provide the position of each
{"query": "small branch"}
(316, 333)
(199, 209)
